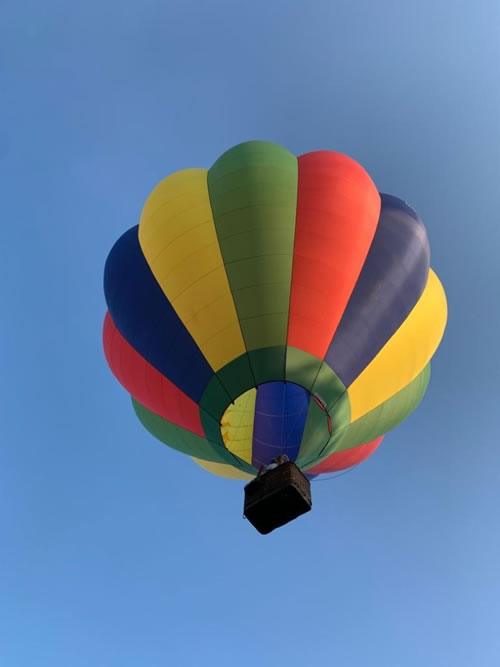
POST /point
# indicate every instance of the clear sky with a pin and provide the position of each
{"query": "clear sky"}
(118, 552)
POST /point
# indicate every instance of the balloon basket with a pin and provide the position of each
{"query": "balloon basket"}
(277, 497)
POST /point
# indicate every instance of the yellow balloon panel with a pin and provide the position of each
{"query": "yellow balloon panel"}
(237, 425)
(179, 241)
(222, 469)
(405, 354)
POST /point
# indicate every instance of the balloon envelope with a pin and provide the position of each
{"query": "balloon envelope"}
(273, 305)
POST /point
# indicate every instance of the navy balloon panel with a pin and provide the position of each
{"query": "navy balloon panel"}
(392, 279)
(148, 322)
(280, 415)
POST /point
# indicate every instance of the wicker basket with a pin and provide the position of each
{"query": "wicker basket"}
(277, 497)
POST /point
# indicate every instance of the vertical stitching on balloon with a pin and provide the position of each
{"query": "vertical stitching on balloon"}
(230, 290)
(291, 274)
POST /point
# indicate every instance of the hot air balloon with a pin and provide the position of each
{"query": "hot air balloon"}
(273, 305)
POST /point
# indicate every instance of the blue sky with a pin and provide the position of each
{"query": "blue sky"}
(116, 551)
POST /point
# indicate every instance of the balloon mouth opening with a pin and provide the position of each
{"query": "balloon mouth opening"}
(274, 419)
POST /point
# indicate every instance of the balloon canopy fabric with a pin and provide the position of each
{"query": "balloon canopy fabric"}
(273, 305)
